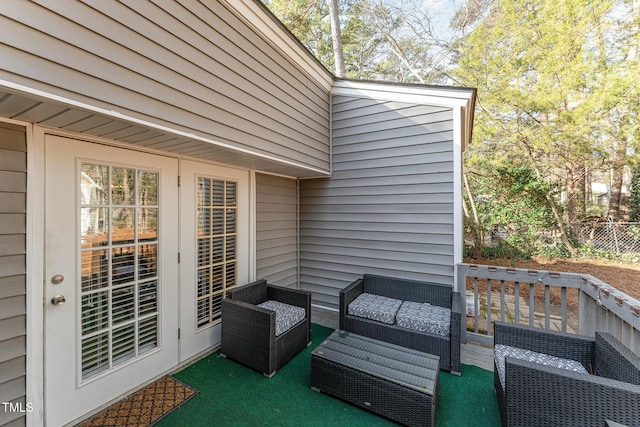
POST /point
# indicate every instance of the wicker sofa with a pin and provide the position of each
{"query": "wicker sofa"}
(446, 346)
(537, 394)
(249, 332)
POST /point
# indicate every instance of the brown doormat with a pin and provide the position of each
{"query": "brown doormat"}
(144, 407)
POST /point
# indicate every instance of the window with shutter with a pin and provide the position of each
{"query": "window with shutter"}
(216, 232)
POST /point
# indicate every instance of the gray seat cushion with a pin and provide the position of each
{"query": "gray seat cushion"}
(424, 317)
(502, 351)
(287, 315)
(375, 307)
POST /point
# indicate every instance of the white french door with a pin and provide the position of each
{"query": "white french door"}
(215, 247)
(111, 273)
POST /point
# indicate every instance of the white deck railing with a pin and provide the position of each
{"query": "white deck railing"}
(569, 302)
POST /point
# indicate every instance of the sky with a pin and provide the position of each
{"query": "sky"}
(442, 11)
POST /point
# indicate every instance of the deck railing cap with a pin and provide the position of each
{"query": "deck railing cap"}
(623, 305)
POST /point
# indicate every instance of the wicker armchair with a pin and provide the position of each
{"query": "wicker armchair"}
(447, 347)
(249, 332)
(538, 395)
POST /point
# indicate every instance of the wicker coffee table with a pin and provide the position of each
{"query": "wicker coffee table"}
(395, 382)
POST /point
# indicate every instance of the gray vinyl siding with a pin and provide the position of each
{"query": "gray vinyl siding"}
(192, 66)
(13, 315)
(388, 208)
(277, 230)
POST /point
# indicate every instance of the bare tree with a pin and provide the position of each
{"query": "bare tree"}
(336, 34)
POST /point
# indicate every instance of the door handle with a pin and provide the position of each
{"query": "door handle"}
(58, 300)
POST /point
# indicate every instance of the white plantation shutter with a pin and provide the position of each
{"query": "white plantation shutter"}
(216, 232)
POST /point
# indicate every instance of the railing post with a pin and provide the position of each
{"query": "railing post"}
(587, 308)
(461, 273)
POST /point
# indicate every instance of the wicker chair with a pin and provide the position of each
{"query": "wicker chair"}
(249, 332)
(538, 395)
(447, 347)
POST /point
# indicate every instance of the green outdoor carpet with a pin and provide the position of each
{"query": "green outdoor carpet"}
(234, 395)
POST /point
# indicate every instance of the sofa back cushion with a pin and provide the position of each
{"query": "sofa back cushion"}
(409, 290)
(615, 361)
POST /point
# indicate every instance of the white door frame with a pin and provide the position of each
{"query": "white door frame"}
(62, 323)
(35, 272)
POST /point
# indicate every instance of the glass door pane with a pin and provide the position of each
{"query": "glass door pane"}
(119, 274)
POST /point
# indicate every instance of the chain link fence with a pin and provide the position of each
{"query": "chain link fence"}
(618, 237)
(609, 236)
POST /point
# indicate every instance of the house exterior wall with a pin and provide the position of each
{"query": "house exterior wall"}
(277, 230)
(388, 208)
(13, 350)
(227, 72)
(196, 67)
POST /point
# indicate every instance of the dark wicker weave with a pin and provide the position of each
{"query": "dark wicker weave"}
(389, 380)
(446, 347)
(249, 332)
(538, 395)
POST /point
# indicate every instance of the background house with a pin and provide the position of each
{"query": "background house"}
(255, 161)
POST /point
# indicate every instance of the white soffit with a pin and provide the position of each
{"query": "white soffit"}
(30, 105)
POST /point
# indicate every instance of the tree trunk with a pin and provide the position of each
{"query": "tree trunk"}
(336, 35)
(587, 187)
(614, 199)
(617, 175)
(580, 175)
(478, 238)
(635, 195)
(576, 200)
(563, 232)
(555, 211)
(570, 182)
